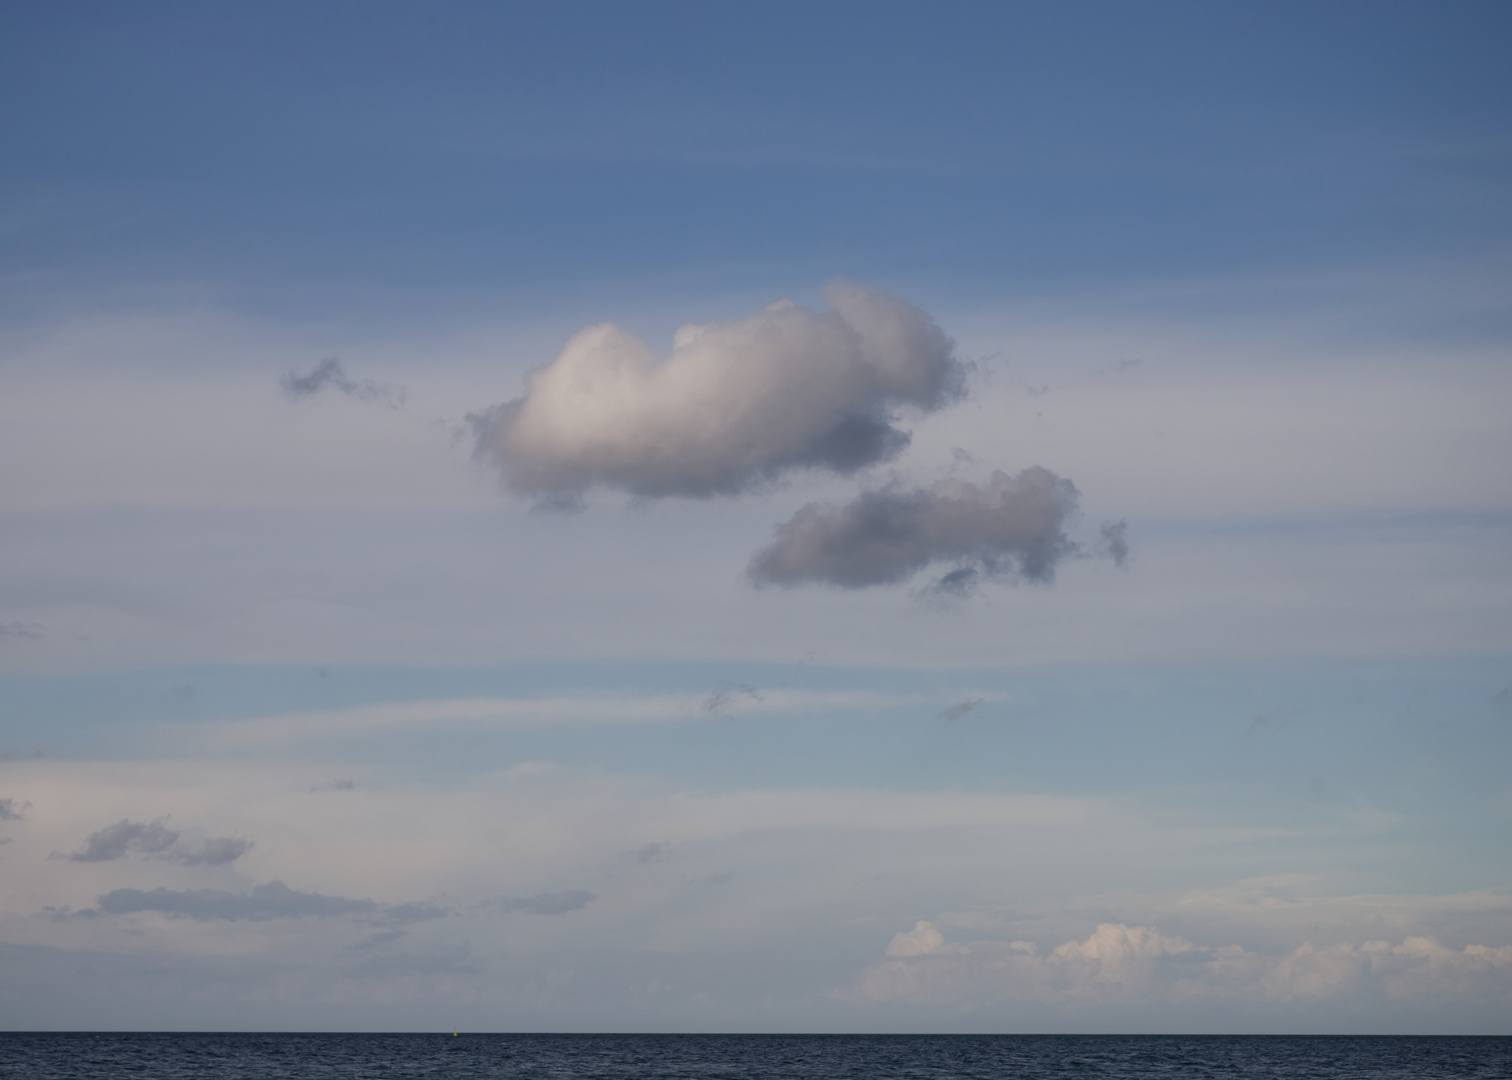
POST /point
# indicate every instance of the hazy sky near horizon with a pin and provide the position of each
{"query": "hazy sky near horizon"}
(839, 516)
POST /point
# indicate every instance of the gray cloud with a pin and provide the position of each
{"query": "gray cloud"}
(961, 708)
(329, 372)
(437, 960)
(21, 629)
(653, 852)
(377, 941)
(555, 903)
(735, 404)
(1115, 541)
(114, 841)
(1010, 526)
(721, 700)
(405, 914)
(959, 583)
(275, 900)
(8, 810)
(65, 913)
(216, 851)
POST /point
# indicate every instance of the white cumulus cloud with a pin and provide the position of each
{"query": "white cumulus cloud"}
(922, 940)
(1121, 964)
(735, 404)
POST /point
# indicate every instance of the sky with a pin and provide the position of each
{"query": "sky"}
(790, 517)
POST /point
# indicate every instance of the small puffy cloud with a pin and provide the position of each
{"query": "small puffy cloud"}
(329, 372)
(1115, 541)
(553, 903)
(114, 841)
(9, 811)
(922, 940)
(735, 404)
(1011, 525)
(1118, 954)
(1125, 964)
(274, 900)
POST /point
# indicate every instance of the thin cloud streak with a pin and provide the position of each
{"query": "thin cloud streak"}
(273, 900)
(518, 713)
(553, 903)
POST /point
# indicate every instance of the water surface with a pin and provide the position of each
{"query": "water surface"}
(244, 1056)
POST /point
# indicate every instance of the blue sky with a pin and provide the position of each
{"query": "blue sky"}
(506, 672)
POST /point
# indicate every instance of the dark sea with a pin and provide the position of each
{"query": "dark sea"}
(44, 1056)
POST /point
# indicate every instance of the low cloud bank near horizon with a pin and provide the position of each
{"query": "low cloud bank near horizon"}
(1118, 963)
(734, 405)
(1010, 527)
